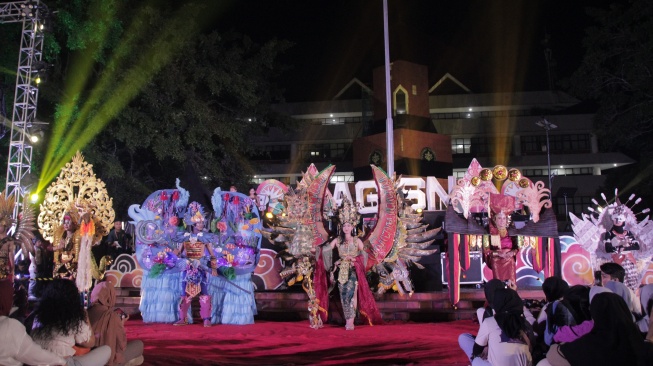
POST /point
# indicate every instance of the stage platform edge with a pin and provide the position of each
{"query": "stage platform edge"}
(421, 306)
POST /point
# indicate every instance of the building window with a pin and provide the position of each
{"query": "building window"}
(323, 152)
(342, 178)
(480, 146)
(272, 152)
(574, 204)
(461, 146)
(573, 143)
(401, 101)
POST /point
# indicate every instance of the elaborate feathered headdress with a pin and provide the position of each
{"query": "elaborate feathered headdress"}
(6, 210)
(348, 213)
(25, 228)
(194, 214)
(71, 213)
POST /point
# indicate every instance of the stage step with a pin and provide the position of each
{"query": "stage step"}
(423, 306)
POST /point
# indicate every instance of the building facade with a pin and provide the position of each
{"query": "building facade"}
(438, 130)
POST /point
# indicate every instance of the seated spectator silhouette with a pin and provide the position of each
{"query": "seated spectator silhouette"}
(507, 335)
(109, 327)
(614, 339)
(17, 348)
(61, 326)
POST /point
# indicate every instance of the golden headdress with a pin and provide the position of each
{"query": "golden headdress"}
(348, 213)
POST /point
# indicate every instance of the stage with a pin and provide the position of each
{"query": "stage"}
(295, 343)
(420, 329)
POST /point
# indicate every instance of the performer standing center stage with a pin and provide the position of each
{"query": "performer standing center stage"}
(355, 293)
(195, 248)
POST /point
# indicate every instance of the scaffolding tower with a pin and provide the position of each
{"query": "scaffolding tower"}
(19, 161)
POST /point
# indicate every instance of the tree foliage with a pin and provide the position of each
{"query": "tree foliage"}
(193, 119)
(617, 72)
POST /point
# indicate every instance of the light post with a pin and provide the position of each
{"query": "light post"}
(547, 126)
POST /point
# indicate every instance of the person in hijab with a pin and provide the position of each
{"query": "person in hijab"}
(507, 334)
(579, 298)
(108, 326)
(626, 294)
(554, 288)
(646, 300)
(489, 288)
(614, 339)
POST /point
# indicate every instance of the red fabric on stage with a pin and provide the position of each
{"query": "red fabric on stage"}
(321, 287)
(295, 343)
(366, 303)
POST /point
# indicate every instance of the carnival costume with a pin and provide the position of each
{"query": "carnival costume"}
(66, 246)
(80, 200)
(612, 233)
(501, 254)
(355, 294)
(621, 243)
(195, 248)
(22, 236)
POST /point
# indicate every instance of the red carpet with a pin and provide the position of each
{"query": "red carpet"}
(294, 343)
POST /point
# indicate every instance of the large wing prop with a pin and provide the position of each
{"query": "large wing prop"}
(315, 203)
(382, 237)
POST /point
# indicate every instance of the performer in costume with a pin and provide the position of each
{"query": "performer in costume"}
(23, 237)
(501, 254)
(355, 294)
(620, 244)
(66, 246)
(195, 248)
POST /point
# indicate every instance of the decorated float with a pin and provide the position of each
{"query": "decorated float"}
(475, 200)
(233, 237)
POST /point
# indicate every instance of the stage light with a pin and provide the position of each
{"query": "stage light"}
(34, 197)
(269, 215)
(37, 80)
(419, 210)
(34, 138)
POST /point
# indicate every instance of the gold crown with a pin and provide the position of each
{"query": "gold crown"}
(348, 213)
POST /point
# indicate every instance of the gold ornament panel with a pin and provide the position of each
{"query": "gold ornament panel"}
(76, 182)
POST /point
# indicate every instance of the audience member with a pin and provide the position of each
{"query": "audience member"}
(118, 241)
(577, 300)
(17, 348)
(611, 271)
(489, 288)
(626, 294)
(507, 335)
(646, 300)
(554, 288)
(108, 325)
(61, 326)
(614, 339)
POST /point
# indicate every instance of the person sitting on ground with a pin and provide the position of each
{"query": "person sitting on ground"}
(646, 301)
(507, 334)
(109, 327)
(489, 288)
(577, 301)
(614, 339)
(61, 326)
(629, 297)
(17, 348)
(612, 272)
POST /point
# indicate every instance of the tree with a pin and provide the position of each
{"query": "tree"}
(179, 99)
(617, 72)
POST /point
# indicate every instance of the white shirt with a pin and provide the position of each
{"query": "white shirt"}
(502, 353)
(61, 344)
(16, 347)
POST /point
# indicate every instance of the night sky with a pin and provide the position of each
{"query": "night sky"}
(489, 45)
